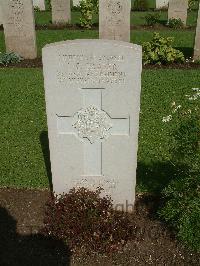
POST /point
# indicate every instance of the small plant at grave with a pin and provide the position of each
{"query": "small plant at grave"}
(152, 19)
(88, 8)
(181, 208)
(87, 222)
(9, 58)
(160, 51)
(175, 23)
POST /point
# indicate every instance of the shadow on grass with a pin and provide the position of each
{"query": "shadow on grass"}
(44, 141)
(163, 22)
(18, 250)
(187, 51)
(156, 176)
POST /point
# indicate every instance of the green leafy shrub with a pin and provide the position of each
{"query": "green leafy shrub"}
(140, 5)
(88, 8)
(9, 58)
(160, 51)
(87, 222)
(152, 19)
(193, 4)
(175, 23)
(181, 208)
(48, 4)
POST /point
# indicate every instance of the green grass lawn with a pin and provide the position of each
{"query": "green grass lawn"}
(183, 40)
(137, 18)
(24, 132)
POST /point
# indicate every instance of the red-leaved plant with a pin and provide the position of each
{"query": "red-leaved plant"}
(86, 221)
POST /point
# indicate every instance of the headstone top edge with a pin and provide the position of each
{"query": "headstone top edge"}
(91, 41)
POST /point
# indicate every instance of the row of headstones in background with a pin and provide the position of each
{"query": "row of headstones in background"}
(92, 91)
(40, 4)
(114, 22)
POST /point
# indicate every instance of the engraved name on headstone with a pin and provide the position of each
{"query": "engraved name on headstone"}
(197, 39)
(114, 19)
(61, 11)
(92, 90)
(178, 10)
(19, 27)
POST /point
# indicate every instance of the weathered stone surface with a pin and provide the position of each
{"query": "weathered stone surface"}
(61, 11)
(197, 39)
(19, 27)
(92, 92)
(178, 9)
(114, 19)
(39, 3)
(162, 4)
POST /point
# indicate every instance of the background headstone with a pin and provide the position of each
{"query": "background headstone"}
(61, 11)
(178, 9)
(19, 27)
(76, 2)
(92, 90)
(114, 19)
(39, 3)
(1, 15)
(197, 39)
(162, 4)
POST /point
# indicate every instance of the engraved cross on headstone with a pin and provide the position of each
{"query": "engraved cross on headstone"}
(92, 125)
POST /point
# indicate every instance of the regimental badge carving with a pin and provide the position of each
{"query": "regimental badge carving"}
(93, 124)
(114, 7)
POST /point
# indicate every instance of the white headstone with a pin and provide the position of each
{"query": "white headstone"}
(61, 11)
(19, 27)
(39, 3)
(114, 20)
(162, 4)
(197, 39)
(178, 10)
(76, 2)
(1, 15)
(92, 92)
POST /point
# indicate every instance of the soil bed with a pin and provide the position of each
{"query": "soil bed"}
(37, 63)
(21, 218)
(51, 26)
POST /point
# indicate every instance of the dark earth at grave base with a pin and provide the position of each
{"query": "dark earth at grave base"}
(21, 218)
(95, 26)
(37, 63)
